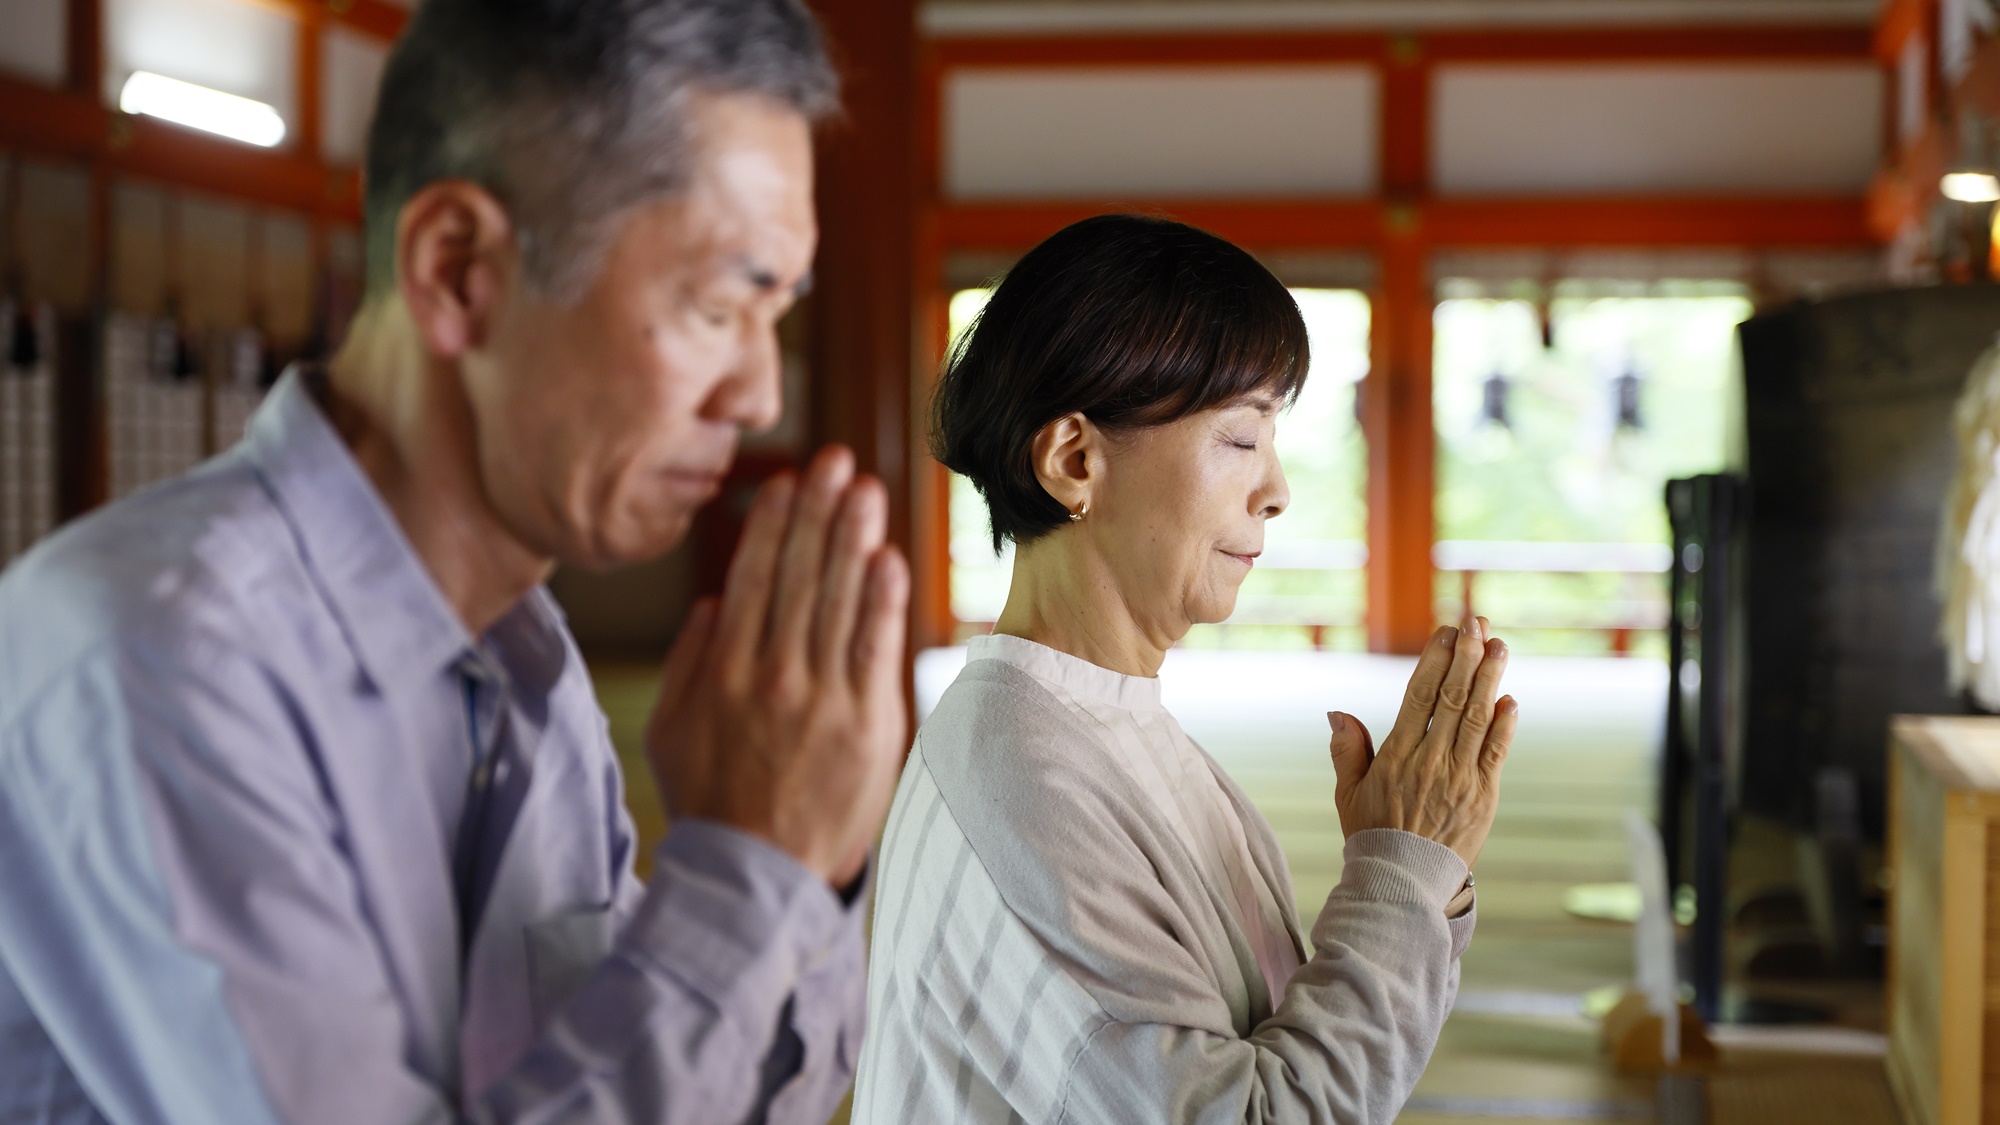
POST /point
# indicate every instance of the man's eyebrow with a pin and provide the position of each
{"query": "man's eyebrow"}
(766, 279)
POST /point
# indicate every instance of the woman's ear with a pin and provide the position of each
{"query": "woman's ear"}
(1068, 455)
(455, 261)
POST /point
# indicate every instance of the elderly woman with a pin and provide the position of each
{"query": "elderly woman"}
(1080, 917)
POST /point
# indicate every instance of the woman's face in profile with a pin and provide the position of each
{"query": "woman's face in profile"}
(1181, 513)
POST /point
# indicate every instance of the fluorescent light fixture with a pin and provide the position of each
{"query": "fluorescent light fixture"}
(1971, 187)
(199, 107)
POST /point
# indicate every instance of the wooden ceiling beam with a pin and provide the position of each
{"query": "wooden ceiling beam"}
(77, 127)
(1447, 223)
(1837, 43)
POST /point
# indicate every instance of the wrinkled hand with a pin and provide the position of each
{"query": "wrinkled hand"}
(781, 712)
(1438, 773)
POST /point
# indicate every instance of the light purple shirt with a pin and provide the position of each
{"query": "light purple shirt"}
(238, 729)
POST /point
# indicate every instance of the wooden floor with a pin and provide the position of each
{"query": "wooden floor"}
(1519, 1047)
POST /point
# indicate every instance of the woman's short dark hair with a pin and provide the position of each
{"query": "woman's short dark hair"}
(1128, 320)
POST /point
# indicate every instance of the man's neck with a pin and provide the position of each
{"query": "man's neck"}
(404, 416)
(1064, 596)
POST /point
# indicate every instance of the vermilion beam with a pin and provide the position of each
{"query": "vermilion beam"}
(1663, 221)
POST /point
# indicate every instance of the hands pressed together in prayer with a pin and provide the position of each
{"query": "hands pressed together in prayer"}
(1438, 772)
(782, 709)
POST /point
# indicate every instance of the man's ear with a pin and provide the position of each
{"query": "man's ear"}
(1068, 456)
(455, 263)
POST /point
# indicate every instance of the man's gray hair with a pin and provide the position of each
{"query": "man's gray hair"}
(571, 112)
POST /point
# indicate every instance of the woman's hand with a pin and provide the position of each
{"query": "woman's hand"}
(1438, 773)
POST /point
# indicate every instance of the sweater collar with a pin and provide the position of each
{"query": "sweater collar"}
(1077, 676)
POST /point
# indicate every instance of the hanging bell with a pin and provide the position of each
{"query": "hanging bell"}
(1493, 401)
(24, 344)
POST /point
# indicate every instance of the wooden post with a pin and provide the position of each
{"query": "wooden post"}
(864, 329)
(1396, 408)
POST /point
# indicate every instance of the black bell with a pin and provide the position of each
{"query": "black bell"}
(1625, 394)
(1493, 401)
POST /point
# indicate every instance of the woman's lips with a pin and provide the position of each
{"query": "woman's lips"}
(1246, 560)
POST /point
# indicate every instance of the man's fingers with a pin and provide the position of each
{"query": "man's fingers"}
(858, 532)
(1499, 740)
(1467, 655)
(803, 560)
(1479, 713)
(685, 659)
(1420, 699)
(881, 633)
(746, 595)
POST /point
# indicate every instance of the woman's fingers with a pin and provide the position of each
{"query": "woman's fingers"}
(1479, 709)
(1499, 740)
(1421, 698)
(1467, 655)
(858, 532)
(1352, 750)
(746, 595)
(801, 567)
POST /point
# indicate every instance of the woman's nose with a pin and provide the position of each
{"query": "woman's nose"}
(1275, 496)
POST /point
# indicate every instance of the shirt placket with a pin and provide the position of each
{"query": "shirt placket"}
(485, 718)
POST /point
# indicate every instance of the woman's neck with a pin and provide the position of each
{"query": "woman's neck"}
(1064, 596)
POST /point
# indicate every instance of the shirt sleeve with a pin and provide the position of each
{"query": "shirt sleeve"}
(1350, 1037)
(178, 912)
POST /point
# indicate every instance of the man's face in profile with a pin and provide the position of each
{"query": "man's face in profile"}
(603, 424)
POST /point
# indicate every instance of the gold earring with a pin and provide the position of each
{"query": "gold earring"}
(1077, 516)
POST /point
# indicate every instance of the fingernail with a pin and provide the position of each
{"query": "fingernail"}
(1448, 637)
(1335, 722)
(1508, 706)
(1496, 647)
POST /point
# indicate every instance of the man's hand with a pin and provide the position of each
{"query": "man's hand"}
(781, 711)
(1438, 774)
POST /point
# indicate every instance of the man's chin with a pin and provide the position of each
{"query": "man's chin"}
(628, 546)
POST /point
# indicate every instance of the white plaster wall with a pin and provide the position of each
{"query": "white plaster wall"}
(33, 43)
(350, 75)
(240, 48)
(1656, 129)
(1160, 132)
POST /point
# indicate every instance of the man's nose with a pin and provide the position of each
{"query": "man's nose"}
(752, 395)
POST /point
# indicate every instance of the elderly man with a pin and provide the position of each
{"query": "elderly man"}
(307, 813)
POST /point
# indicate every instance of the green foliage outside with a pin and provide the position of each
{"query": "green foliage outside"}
(1562, 469)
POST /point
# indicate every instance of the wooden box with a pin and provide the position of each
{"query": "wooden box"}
(1944, 932)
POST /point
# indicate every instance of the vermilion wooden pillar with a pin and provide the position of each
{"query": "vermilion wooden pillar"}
(865, 327)
(1396, 403)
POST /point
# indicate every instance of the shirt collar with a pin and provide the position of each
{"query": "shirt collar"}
(1078, 676)
(388, 605)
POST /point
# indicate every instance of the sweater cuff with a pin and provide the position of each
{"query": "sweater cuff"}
(1390, 865)
(735, 918)
(1461, 930)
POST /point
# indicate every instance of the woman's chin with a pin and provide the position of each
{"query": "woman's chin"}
(1212, 611)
